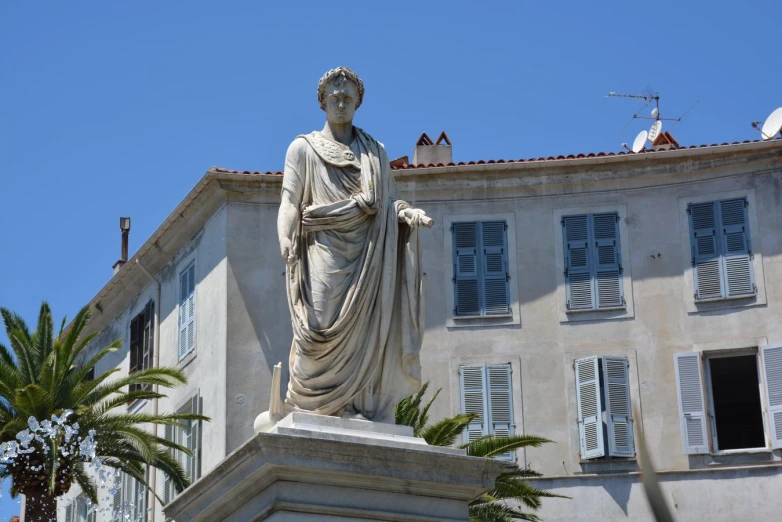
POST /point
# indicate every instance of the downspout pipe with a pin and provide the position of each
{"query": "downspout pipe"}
(153, 480)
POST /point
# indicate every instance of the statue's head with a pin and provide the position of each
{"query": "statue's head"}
(340, 93)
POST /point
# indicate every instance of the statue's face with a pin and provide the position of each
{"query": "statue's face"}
(341, 100)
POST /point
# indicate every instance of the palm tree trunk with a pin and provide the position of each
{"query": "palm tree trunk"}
(40, 506)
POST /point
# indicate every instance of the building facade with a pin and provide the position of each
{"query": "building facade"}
(585, 299)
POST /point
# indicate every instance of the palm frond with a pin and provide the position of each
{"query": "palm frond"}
(498, 512)
(85, 482)
(446, 431)
(508, 486)
(492, 446)
(6, 357)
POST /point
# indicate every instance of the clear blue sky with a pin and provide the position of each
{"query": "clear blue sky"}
(118, 108)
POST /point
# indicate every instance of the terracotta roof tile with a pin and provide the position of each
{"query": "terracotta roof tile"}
(398, 165)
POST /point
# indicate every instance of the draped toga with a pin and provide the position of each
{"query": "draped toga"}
(355, 292)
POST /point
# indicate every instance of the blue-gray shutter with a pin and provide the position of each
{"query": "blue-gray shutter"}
(69, 513)
(772, 371)
(607, 261)
(705, 251)
(501, 404)
(472, 383)
(619, 420)
(590, 422)
(496, 296)
(692, 410)
(191, 308)
(739, 278)
(116, 504)
(578, 269)
(465, 259)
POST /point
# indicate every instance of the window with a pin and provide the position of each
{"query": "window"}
(593, 262)
(731, 405)
(130, 500)
(486, 392)
(187, 310)
(721, 249)
(81, 510)
(189, 437)
(604, 413)
(480, 257)
(141, 342)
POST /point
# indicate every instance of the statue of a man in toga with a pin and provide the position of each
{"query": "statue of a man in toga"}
(353, 267)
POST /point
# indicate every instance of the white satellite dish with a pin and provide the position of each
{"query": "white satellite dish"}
(772, 125)
(655, 112)
(655, 130)
(640, 141)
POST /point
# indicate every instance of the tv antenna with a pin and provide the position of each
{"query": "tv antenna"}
(650, 135)
(771, 126)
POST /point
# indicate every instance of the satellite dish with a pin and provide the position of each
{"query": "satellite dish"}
(655, 112)
(773, 124)
(655, 130)
(640, 141)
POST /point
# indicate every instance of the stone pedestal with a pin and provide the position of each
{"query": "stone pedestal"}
(315, 468)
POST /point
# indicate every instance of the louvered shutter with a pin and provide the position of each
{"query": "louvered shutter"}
(578, 269)
(692, 411)
(69, 513)
(191, 308)
(619, 420)
(705, 251)
(465, 255)
(772, 371)
(116, 504)
(736, 251)
(590, 422)
(472, 379)
(183, 293)
(607, 259)
(135, 341)
(501, 404)
(496, 296)
(195, 441)
(168, 492)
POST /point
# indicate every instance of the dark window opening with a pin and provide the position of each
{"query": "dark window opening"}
(737, 408)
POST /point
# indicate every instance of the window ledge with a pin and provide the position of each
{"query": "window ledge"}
(187, 359)
(731, 298)
(474, 317)
(741, 451)
(596, 310)
(609, 465)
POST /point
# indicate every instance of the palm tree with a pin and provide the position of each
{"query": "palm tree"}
(511, 492)
(43, 377)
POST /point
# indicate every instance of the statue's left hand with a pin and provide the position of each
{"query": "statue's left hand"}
(415, 217)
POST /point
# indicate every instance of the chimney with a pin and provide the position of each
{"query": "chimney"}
(428, 152)
(124, 226)
(665, 141)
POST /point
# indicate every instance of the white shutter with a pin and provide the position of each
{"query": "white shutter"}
(590, 423)
(168, 491)
(619, 420)
(191, 309)
(183, 293)
(501, 404)
(69, 513)
(195, 441)
(692, 411)
(471, 380)
(117, 498)
(772, 372)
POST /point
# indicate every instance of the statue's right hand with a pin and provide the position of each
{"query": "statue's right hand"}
(287, 251)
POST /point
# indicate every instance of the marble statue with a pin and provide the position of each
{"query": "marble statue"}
(353, 268)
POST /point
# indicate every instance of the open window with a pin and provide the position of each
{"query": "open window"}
(723, 397)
